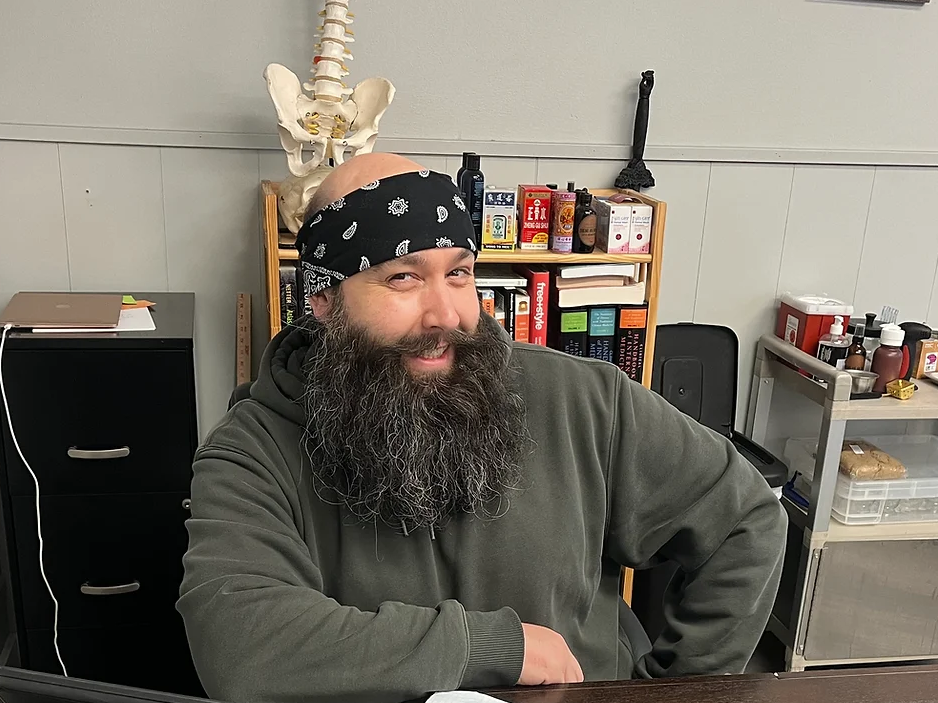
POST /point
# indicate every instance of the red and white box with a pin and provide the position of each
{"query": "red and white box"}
(804, 319)
(534, 217)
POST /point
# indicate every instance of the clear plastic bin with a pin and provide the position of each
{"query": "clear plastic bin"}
(910, 499)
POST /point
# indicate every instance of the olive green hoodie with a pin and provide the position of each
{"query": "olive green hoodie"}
(288, 599)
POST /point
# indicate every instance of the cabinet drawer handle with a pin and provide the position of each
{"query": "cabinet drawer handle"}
(117, 453)
(110, 590)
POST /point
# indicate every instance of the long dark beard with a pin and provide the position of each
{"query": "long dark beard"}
(412, 451)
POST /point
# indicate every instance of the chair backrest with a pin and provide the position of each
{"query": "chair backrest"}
(695, 369)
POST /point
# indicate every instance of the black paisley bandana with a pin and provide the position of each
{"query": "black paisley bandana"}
(381, 221)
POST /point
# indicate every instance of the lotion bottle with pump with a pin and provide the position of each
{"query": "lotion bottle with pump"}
(833, 347)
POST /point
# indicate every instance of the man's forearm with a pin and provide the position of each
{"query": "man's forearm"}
(716, 614)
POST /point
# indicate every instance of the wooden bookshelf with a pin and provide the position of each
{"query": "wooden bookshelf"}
(649, 271)
(649, 264)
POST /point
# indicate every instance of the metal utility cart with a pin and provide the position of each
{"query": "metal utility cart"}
(850, 594)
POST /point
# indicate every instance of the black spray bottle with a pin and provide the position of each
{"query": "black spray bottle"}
(472, 187)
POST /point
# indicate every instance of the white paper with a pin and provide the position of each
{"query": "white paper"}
(133, 320)
(462, 697)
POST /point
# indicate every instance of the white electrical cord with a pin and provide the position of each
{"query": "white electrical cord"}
(42, 568)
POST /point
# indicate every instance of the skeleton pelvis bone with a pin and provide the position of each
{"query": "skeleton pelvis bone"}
(295, 194)
(327, 125)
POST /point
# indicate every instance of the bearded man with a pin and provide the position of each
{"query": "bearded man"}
(410, 502)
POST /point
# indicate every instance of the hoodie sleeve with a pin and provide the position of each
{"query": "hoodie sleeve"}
(260, 628)
(681, 492)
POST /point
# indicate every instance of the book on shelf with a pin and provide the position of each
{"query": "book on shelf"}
(538, 290)
(521, 331)
(631, 333)
(289, 294)
(505, 301)
(593, 270)
(487, 296)
(603, 295)
(601, 332)
(593, 282)
(498, 277)
(572, 335)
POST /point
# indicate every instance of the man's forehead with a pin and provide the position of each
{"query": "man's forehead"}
(423, 258)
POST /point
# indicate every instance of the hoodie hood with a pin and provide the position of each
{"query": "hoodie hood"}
(281, 382)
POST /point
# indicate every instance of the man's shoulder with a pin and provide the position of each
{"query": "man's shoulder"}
(248, 427)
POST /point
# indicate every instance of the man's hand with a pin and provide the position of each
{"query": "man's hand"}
(547, 659)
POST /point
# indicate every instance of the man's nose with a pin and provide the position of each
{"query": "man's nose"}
(440, 310)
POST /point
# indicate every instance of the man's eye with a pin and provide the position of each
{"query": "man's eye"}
(459, 273)
(401, 277)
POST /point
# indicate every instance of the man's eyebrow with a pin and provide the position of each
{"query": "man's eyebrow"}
(463, 255)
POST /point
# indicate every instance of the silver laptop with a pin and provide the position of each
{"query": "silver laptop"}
(50, 310)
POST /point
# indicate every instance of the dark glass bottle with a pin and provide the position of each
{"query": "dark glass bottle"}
(584, 223)
(472, 187)
(856, 354)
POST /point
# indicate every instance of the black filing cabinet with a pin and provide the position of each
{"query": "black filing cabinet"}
(107, 421)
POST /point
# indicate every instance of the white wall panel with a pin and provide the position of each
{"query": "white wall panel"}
(585, 173)
(213, 249)
(33, 248)
(742, 250)
(826, 226)
(900, 250)
(114, 217)
(684, 187)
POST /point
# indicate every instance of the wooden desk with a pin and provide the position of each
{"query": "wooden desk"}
(912, 684)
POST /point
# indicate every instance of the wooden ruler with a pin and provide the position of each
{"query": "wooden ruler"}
(243, 351)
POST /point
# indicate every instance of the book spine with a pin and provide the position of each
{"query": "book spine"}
(630, 340)
(288, 294)
(539, 294)
(574, 331)
(602, 333)
(510, 311)
(302, 299)
(487, 297)
(500, 313)
(522, 317)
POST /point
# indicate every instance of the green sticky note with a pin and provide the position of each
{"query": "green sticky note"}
(129, 300)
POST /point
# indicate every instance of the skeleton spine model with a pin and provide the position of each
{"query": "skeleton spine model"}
(334, 122)
(333, 114)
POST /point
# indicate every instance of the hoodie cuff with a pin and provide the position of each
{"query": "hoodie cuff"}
(496, 649)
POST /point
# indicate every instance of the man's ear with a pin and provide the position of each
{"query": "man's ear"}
(322, 303)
